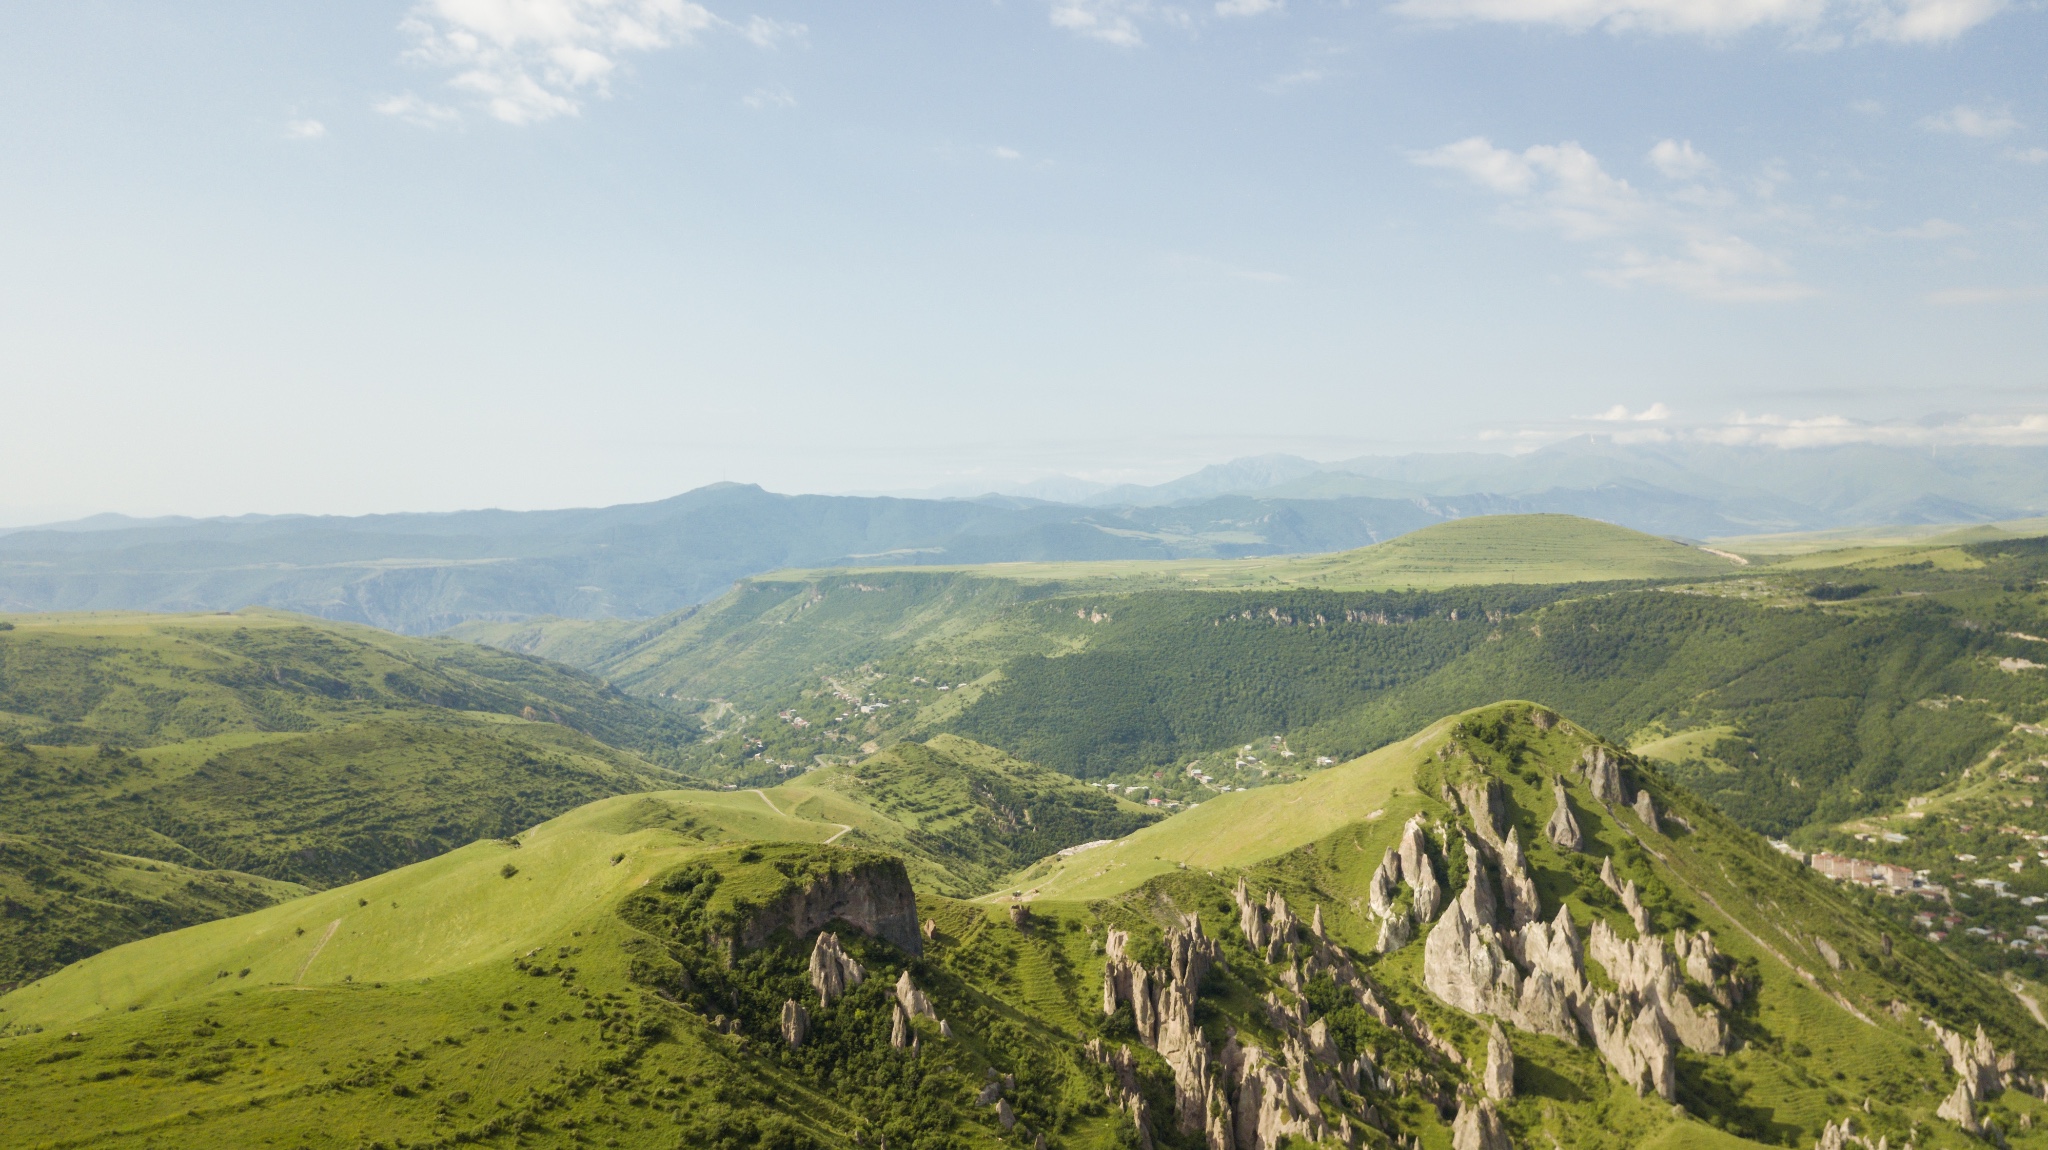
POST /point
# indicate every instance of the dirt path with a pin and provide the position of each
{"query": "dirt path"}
(843, 828)
(317, 948)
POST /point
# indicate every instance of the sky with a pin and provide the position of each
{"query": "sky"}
(286, 256)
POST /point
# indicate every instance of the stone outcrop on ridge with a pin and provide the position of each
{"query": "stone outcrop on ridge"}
(833, 971)
(1563, 827)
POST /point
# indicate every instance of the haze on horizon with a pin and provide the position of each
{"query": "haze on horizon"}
(542, 253)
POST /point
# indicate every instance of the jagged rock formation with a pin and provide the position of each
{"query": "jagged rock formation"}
(1419, 872)
(1646, 810)
(1163, 1005)
(1960, 1108)
(1517, 888)
(1464, 964)
(873, 897)
(1563, 828)
(796, 1023)
(1488, 808)
(1124, 1067)
(833, 971)
(899, 1026)
(1645, 971)
(1499, 1079)
(1607, 878)
(1603, 775)
(1980, 1069)
(1478, 1127)
(1632, 902)
(912, 1000)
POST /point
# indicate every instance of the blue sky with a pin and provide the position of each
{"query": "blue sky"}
(383, 256)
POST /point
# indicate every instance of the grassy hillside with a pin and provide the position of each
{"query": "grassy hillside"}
(570, 989)
(247, 757)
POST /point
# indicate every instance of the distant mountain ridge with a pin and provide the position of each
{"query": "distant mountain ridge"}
(427, 572)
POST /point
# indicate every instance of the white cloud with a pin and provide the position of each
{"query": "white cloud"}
(1986, 123)
(532, 60)
(1108, 20)
(1837, 430)
(1671, 242)
(1817, 22)
(1006, 153)
(2027, 155)
(304, 130)
(1965, 297)
(761, 98)
(1867, 107)
(1678, 161)
(418, 112)
(1246, 7)
(1620, 413)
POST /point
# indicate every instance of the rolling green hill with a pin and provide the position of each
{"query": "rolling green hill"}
(622, 976)
(156, 771)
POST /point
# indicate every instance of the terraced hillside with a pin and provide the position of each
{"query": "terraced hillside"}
(1504, 930)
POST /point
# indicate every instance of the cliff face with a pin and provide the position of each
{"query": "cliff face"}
(873, 897)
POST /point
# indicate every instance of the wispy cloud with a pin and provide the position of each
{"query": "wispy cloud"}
(1983, 123)
(1673, 242)
(1619, 413)
(1246, 7)
(304, 130)
(1932, 229)
(1839, 430)
(2027, 155)
(1001, 153)
(420, 113)
(1819, 23)
(526, 61)
(762, 98)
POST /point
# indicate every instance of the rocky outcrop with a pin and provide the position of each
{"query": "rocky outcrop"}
(1553, 948)
(1607, 878)
(873, 897)
(1488, 807)
(1163, 1006)
(1517, 889)
(1603, 775)
(1704, 964)
(912, 1000)
(833, 971)
(899, 1026)
(1499, 1078)
(1646, 810)
(1123, 1068)
(1419, 872)
(1647, 975)
(1563, 827)
(1975, 1061)
(1478, 1127)
(1464, 964)
(1632, 902)
(1271, 1103)
(1960, 1108)
(1632, 1041)
(796, 1023)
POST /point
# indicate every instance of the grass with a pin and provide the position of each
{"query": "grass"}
(1900, 535)
(1481, 550)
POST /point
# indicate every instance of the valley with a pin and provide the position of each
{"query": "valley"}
(1460, 841)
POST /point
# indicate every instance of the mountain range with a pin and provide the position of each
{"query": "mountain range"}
(424, 573)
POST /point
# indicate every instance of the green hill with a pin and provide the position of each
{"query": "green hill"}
(621, 976)
(156, 771)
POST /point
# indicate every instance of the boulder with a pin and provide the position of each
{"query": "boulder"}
(1563, 827)
(899, 1026)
